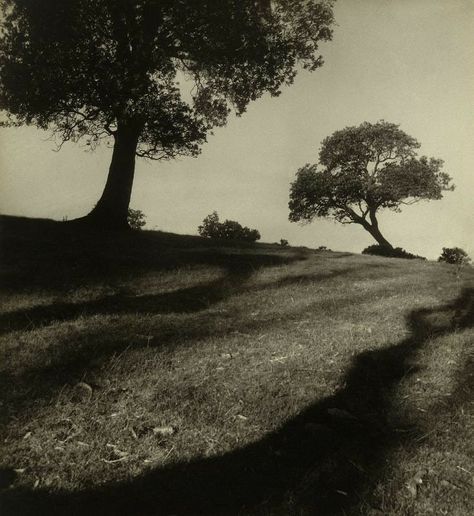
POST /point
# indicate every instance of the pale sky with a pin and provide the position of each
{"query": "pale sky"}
(410, 62)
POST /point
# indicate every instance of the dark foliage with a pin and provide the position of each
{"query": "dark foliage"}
(454, 255)
(284, 242)
(136, 219)
(390, 252)
(227, 230)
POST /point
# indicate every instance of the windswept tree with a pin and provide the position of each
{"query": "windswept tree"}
(363, 170)
(110, 69)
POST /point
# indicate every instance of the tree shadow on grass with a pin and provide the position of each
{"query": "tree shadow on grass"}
(238, 271)
(79, 356)
(320, 462)
(51, 256)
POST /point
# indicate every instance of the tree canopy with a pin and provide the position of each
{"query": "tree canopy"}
(95, 69)
(362, 170)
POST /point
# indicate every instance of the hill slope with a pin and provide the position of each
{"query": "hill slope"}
(151, 373)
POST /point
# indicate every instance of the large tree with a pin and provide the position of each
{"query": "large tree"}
(362, 170)
(95, 69)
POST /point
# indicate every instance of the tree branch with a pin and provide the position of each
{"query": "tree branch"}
(408, 203)
(363, 212)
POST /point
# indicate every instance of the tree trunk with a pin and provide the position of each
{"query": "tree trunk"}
(375, 232)
(112, 209)
(373, 229)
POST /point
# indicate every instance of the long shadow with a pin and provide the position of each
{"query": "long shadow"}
(78, 361)
(51, 256)
(320, 462)
(238, 270)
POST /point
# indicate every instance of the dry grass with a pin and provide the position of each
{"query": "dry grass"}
(230, 380)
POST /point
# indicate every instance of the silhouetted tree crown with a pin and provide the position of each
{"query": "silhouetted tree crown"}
(97, 69)
(454, 255)
(136, 219)
(362, 170)
(211, 227)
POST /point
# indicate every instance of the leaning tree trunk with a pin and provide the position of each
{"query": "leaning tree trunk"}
(375, 232)
(373, 229)
(112, 209)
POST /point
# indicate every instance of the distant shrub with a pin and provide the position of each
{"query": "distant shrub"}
(227, 230)
(323, 248)
(395, 252)
(454, 255)
(284, 243)
(136, 218)
(210, 226)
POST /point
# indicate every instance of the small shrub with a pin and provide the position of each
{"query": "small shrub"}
(390, 252)
(227, 230)
(284, 242)
(136, 219)
(323, 248)
(454, 255)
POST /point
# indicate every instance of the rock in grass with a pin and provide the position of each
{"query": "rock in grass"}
(81, 392)
(164, 431)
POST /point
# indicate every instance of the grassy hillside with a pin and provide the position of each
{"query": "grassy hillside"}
(151, 373)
